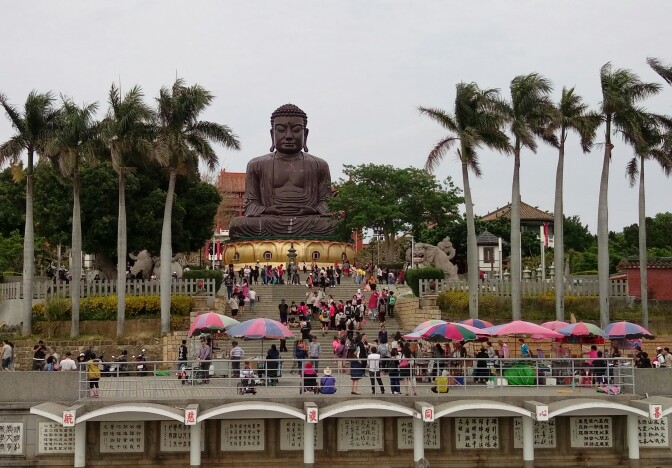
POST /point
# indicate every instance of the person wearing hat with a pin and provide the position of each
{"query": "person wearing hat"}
(441, 383)
(327, 382)
(68, 364)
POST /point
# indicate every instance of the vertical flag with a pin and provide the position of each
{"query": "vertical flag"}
(546, 235)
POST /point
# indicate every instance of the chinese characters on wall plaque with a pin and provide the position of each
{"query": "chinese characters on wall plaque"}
(653, 433)
(126, 437)
(360, 434)
(243, 435)
(11, 438)
(176, 437)
(54, 438)
(291, 435)
(432, 432)
(477, 433)
(544, 433)
(590, 431)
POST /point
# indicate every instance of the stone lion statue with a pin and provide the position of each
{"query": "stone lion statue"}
(438, 256)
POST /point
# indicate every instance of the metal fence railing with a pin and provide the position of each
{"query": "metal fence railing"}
(289, 377)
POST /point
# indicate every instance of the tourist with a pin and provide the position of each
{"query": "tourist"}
(309, 378)
(39, 356)
(439, 356)
(324, 318)
(341, 320)
(68, 364)
(302, 311)
(406, 369)
(341, 353)
(382, 308)
(252, 296)
(314, 350)
(373, 361)
(236, 354)
(524, 348)
(248, 379)
(300, 356)
(272, 364)
(592, 354)
(233, 304)
(305, 330)
(357, 354)
(204, 358)
(6, 355)
(667, 358)
(504, 350)
(93, 375)
(50, 364)
(393, 371)
(327, 382)
(441, 383)
(182, 357)
(283, 308)
(600, 368)
(481, 372)
(359, 315)
(332, 314)
(643, 362)
(373, 305)
(228, 282)
(391, 301)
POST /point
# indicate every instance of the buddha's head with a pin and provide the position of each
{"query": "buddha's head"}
(288, 130)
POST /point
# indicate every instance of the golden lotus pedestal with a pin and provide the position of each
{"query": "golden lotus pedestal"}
(322, 252)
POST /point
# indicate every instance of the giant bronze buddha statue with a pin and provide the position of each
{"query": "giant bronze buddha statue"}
(286, 190)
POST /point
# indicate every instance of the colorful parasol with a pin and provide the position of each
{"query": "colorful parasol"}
(580, 329)
(554, 325)
(521, 327)
(626, 330)
(447, 332)
(211, 322)
(260, 329)
(476, 323)
(428, 323)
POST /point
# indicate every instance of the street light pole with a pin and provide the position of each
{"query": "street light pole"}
(412, 252)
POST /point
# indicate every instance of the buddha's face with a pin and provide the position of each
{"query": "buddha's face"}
(289, 134)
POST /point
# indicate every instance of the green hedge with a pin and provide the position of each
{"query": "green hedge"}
(105, 308)
(414, 275)
(206, 274)
(454, 305)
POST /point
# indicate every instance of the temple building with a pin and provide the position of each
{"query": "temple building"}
(531, 218)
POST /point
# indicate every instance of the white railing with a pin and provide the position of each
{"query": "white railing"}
(584, 287)
(49, 289)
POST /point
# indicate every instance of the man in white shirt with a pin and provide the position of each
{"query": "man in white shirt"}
(252, 294)
(68, 364)
(236, 354)
(373, 361)
(6, 355)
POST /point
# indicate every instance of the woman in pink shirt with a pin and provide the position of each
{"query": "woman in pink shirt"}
(373, 304)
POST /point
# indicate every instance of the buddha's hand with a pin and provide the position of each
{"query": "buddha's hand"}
(272, 210)
(307, 210)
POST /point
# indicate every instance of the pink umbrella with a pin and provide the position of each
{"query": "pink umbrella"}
(211, 322)
(478, 323)
(554, 325)
(428, 323)
(521, 327)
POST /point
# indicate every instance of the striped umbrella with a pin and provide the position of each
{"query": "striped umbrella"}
(523, 328)
(580, 329)
(260, 329)
(448, 332)
(428, 323)
(554, 325)
(476, 323)
(626, 330)
(211, 322)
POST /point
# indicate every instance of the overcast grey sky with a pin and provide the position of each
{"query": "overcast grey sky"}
(359, 69)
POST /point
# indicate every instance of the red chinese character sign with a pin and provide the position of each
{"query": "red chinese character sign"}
(428, 414)
(312, 415)
(542, 413)
(68, 418)
(190, 415)
(656, 412)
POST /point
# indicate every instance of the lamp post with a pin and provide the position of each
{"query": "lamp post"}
(412, 252)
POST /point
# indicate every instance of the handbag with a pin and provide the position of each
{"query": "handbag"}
(404, 363)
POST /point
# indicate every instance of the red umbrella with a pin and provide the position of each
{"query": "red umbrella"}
(626, 330)
(521, 327)
(554, 325)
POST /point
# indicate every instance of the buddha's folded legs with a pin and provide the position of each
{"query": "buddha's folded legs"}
(281, 226)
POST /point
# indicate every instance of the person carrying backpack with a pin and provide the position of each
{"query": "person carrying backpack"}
(93, 375)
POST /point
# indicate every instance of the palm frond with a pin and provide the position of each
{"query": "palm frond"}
(438, 152)
(217, 132)
(440, 116)
(665, 72)
(632, 171)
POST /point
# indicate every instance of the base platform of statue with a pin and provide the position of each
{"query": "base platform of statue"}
(273, 251)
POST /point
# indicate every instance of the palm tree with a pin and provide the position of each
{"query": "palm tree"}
(574, 115)
(622, 90)
(127, 133)
(182, 140)
(74, 140)
(655, 146)
(477, 120)
(531, 115)
(664, 71)
(33, 125)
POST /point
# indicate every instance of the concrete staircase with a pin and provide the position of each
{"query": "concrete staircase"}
(269, 298)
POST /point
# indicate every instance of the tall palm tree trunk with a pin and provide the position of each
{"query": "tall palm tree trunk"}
(603, 231)
(643, 259)
(558, 233)
(28, 252)
(515, 237)
(166, 255)
(76, 266)
(121, 254)
(472, 248)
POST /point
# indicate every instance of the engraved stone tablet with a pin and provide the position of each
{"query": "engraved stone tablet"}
(291, 435)
(432, 435)
(11, 438)
(544, 433)
(360, 434)
(243, 435)
(653, 432)
(589, 432)
(122, 437)
(176, 437)
(476, 433)
(54, 438)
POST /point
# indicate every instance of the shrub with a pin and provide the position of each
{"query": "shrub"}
(206, 274)
(414, 275)
(105, 307)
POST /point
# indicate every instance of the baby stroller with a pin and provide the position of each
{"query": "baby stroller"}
(247, 383)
